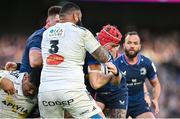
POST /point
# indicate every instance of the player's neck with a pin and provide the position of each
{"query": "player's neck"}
(64, 20)
(131, 61)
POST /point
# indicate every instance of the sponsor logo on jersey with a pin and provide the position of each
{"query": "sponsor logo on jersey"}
(15, 73)
(56, 32)
(16, 108)
(122, 102)
(53, 103)
(54, 59)
(124, 73)
(84, 112)
(143, 71)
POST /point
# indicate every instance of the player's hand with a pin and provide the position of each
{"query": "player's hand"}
(11, 66)
(112, 68)
(147, 98)
(156, 106)
(8, 86)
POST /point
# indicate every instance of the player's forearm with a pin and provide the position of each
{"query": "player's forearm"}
(116, 79)
(156, 91)
(145, 88)
(97, 80)
(36, 63)
(101, 55)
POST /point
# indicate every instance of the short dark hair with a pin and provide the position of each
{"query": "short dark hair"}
(68, 8)
(53, 10)
(131, 33)
(35, 75)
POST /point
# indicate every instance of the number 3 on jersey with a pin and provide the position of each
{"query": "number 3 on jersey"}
(53, 58)
(54, 48)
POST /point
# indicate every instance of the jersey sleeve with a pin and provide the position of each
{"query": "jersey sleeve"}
(90, 42)
(116, 62)
(151, 70)
(36, 43)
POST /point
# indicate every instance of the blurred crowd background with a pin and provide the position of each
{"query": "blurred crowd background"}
(160, 37)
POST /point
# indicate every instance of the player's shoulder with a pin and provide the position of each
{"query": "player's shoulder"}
(120, 58)
(9, 74)
(38, 32)
(80, 27)
(145, 59)
(36, 35)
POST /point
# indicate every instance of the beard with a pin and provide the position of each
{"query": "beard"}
(131, 55)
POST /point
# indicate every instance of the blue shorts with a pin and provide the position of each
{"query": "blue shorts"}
(138, 109)
(112, 100)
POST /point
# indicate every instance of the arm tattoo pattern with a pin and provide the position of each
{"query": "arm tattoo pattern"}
(101, 55)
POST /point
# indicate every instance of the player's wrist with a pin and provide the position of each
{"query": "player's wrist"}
(117, 74)
(146, 93)
(18, 66)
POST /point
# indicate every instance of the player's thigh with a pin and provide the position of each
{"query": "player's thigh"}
(83, 105)
(115, 113)
(146, 115)
(49, 105)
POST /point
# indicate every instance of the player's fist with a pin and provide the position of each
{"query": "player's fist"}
(111, 68)
(116, 79)
(156, 106)
(11, 66)
(7, 85)
(147, 98)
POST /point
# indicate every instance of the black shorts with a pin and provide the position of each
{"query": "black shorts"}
(112, 100)
(138, 109)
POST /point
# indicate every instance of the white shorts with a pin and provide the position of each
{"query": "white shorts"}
(15, 106)
(77, 102)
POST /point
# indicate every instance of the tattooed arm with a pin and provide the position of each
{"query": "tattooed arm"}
(101, 55)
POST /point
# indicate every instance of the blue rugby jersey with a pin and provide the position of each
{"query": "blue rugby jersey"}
(34, 41)
(136, 75)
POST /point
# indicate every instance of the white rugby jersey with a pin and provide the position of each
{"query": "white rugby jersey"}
(63, 50)
(17, 105)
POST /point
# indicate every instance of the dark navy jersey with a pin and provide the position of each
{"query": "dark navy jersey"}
(136, 75)
(34, 41)
(108, 87)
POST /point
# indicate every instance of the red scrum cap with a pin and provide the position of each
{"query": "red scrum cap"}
(109, 34)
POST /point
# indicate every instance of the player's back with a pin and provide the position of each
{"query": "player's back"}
(63, 49)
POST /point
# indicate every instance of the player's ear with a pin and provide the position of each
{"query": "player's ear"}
(140, 47)
(75, 17)
(48, 21)
(26, 76)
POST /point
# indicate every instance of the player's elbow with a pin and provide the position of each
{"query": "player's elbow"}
(35, 64)
(35, 58)
(94, 84)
